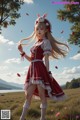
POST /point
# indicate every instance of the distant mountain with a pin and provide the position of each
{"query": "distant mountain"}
(3, 81)
(16, 84)
(9, 86)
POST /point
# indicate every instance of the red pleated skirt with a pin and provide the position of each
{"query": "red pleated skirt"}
(38, 74)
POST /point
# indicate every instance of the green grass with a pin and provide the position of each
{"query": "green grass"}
(68, 109)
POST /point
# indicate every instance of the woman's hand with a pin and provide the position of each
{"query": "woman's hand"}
(20, 48)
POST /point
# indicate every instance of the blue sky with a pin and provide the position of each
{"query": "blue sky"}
(10, 62)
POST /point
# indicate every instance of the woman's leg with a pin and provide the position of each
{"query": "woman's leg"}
(27, 103)
(43, 105)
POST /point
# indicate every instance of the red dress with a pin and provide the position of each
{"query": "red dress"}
(38, 74)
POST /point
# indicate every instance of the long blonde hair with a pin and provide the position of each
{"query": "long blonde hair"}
(32, 36)
(57, 47)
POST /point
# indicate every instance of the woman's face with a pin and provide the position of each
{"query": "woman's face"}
(40, 30)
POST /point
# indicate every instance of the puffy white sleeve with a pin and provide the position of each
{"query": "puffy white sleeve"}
(47, 48)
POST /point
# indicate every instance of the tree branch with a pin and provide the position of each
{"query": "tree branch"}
(5, 18)
(2, 13)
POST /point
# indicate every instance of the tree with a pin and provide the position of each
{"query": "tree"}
(71, 12)
(9, 12)
(75, 83)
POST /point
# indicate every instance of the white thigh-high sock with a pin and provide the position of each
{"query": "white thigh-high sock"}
(43, 110)
(25, 108)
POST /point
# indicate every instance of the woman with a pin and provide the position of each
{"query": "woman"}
(39, 81)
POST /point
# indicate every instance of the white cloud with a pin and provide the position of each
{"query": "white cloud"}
(24, 71)
(76, 57)
(10, 49)
(28, 1)
(3, 68)
(15, 78)
(67, 75)
(5, 41)
(74, 70)
(26, 68)
(9, 74)
(11, 43)
(12, 77)
(13, 60)
(65, 68)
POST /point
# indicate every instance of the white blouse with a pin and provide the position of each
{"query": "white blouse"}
(46, 46)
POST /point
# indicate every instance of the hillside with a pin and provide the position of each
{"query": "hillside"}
(8, 86)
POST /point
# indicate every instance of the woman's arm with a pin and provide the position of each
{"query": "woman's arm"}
(46, 60)
(27, 57)
(22, 53)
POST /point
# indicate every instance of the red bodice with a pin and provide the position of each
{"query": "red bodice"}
(36, 52)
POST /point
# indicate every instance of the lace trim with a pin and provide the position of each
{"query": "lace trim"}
(59, 98)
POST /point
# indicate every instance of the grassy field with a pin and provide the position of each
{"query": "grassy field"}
(66, 110)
